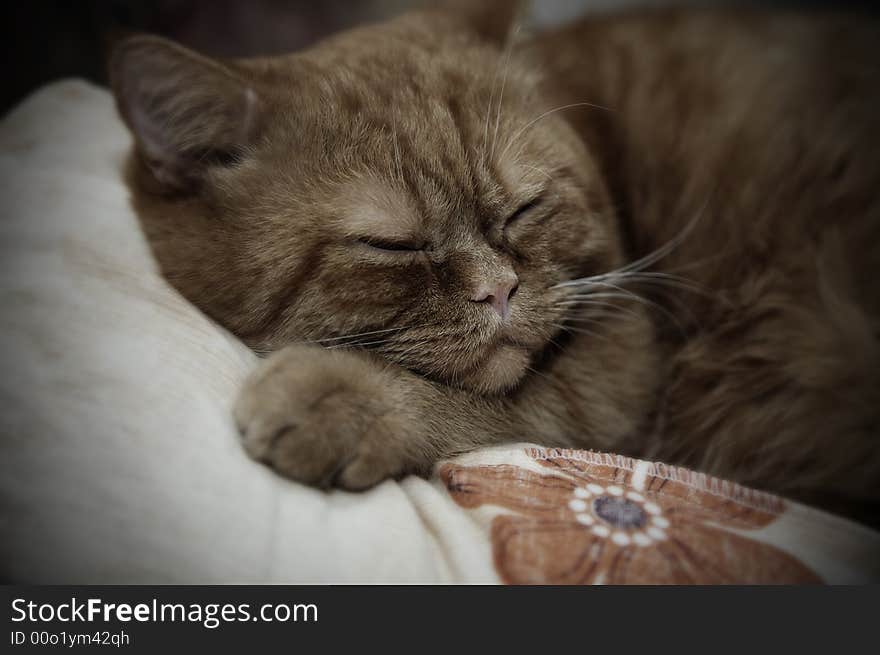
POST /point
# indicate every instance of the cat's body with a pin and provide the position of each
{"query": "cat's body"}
(766, 128)
(414, 185)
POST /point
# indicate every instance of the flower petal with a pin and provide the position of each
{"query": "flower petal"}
(529, 551)
(709, 499)
(652, 564)
(512, 487)
(717, 556)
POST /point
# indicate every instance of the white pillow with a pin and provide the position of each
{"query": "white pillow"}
(118, 458)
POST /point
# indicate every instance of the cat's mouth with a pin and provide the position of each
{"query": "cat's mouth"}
(503, 368)
(488, 358)
(503, 362)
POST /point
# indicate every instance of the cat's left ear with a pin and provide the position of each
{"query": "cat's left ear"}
(187, 112)
(492, 20)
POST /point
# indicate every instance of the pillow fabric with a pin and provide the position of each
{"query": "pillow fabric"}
(119, 462)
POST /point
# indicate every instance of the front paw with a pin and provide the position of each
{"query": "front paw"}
(326, 418)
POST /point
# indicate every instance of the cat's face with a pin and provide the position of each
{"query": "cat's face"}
(400, 187)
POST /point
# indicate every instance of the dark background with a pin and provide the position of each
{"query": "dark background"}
(46, 40)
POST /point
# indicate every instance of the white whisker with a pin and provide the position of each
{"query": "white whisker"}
(510, 41)
(655, 279)
(398, 161)
(588, 300)
(489, 111)
(643, 262)
(367, 334)
(357, 344)
(539, 170)
(569, 328)
(645, 301)
(543, 375)
(528, 125)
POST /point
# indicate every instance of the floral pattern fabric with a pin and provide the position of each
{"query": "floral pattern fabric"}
(579, 517)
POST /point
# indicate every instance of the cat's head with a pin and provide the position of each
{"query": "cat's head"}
(407, 183)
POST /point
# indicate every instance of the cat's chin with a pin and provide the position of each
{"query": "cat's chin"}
(502, 371)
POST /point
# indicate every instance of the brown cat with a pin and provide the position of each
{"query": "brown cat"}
(652, 233)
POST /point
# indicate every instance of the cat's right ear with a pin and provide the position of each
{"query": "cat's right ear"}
(187, 112)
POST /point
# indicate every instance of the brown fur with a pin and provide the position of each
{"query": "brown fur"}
(770, 125)
(277, 195)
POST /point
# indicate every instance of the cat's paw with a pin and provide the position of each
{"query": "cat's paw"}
(326, 418)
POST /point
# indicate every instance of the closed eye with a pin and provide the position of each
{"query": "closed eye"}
(524, 210)
(391, 246)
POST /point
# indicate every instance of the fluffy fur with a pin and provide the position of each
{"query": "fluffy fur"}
(430, 225)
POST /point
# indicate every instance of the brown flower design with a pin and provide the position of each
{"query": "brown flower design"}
(595, 518)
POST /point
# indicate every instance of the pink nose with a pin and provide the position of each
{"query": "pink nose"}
(497, 295)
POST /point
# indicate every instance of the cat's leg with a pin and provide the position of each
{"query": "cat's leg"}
(350, 419)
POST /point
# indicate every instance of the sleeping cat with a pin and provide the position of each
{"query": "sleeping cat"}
(652, 233)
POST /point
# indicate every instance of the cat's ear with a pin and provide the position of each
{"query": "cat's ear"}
(186, 112)
(492, 20)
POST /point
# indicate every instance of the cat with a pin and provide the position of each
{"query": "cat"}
(651, 233)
